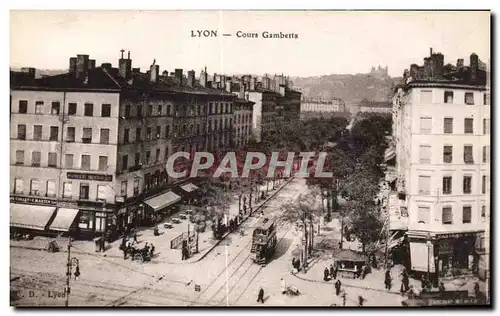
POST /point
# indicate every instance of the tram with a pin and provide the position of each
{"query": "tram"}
(264, 241)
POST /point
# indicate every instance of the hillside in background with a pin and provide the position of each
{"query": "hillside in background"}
(350, 88)
(44, 72)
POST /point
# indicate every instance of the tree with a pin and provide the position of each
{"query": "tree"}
(302, 211)
(364, 222)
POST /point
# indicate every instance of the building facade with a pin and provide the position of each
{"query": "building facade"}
(442, 135)
(243, 110)
(91, 146)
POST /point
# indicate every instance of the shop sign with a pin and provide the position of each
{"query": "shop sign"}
(89, 176)
(32, 200)
(456, 235)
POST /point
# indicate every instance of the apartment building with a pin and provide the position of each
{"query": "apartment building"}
(316, 107)
(442, 137)
(243, 110)
(90, 147)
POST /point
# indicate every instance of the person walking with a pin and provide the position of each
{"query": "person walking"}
(260, 297)
(135, 238)
(388, 280)
(405, 281)
(283, 286)
(326, 274)
(338, 284)
(441, 287)
(332, 270)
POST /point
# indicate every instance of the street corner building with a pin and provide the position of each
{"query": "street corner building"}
(89, 147)
(441, 150)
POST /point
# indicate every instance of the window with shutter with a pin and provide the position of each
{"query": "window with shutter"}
(423, 214)
(448, 97)
(85, 162)
(424, 183)
(35, 187)
(447, 216)
(21, 131)
(19, 157)
(468, 126)
(67, 190)
(447, 154)
(124, 188)
(104, 139)
(18, 186)
(36, 156)
(68, 161)
(468, 157)
(124, 162)
(70, 134)
(425, 154)
(426, 96)
(101, 192)
(37, 132)
(87, 135)
(467, 214)
(486, 154)
(88, 109)
(448, 125)
(51, 188)
(106, 110)
(486, 126)
(52, 160)
(485, 185)
(72, 108)
(23, 106)
(84, 191)
(103, 163)
(38, 107)
(54, 133)
(136, 186)
(56, 106)
(447, 185)
(467, 184)
(469, 98)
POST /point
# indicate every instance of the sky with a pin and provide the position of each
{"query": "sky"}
(329, 42)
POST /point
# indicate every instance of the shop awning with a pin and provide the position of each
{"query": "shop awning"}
(163, 200)
(390, 153)
(189, 187)
(30, 216)
(64, 218)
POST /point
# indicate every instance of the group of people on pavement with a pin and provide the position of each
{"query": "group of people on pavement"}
(128, 247)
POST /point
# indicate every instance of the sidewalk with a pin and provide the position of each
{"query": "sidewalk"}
(145, 235)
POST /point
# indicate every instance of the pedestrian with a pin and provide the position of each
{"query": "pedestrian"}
(356, 271)
(331, 270)
(283, 286)
(388, 280)
(260, 298)
(326, 274)
(441, 287)
(364, 271)
(335, 271)
(361, 300)
(338, 284)
(298, 264)
(124, 249)
(135, 238)
(152, 250)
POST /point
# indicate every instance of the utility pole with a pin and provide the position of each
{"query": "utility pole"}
(68, 272)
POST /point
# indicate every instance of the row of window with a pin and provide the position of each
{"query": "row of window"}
(425, 154)
(70, 134)
(243, 118)
(85, 161)
(424, 185)
(180, 111)
(426, 125)
(55, 108)
(146, 158)
(49, 187)
(423, 216)
(448, 97)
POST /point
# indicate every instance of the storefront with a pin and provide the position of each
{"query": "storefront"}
(160, 206)
(31, 217)
(64, 220)
(189, 192)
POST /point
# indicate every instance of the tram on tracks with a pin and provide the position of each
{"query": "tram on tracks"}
(264, 241)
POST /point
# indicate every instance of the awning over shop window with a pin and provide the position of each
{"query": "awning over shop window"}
(390, 153)
(163, 200)
(189, 187)
(30, 216)
(64, 218)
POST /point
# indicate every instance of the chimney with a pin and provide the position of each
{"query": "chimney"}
(228, 85)
(437, 63)
(252, 84)
(427, 68)
(223, 82)
(430, 51)
(106, 66)
(474, 63)
(165, 73)
(178, 76)
(82, 65)
(154, 72)
(460, 63)
(203, 77)
(414, 71)
(136, 70)
(72, 65)
(241, 95)
(91, 64)
(282, 90)
(29, 70)
(125, 66)
(190, 78)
